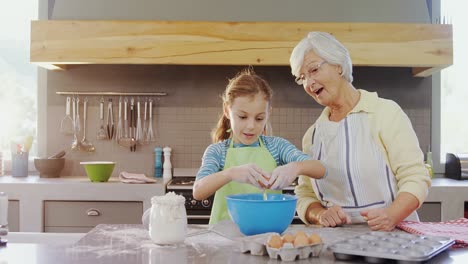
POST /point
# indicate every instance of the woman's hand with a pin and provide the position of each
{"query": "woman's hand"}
(334, 216)
(379, 219)
(283, 176)
(251, 174)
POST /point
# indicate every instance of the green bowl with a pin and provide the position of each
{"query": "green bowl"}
(98, 171)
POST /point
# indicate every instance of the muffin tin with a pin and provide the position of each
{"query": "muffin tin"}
(379, 247)
(257, 245)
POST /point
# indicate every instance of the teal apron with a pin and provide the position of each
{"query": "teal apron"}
(236, 157)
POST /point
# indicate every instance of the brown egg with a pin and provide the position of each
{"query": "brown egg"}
(275, 241)
(288, 238)
(301, 241)
(314, 239)
(300, 234)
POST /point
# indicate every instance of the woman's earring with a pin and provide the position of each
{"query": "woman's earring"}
(229, 130)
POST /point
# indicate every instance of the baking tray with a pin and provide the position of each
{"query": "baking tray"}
(379, 247)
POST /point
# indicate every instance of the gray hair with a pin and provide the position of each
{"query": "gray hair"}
(325, 46)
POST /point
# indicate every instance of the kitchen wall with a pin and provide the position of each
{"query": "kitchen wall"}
(184, 118)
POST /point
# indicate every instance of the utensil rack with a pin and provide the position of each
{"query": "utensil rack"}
(114, 93)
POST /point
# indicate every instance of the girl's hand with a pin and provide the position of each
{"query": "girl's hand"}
(334, 216)
(283, 176)
(251, 174)
(379, 219)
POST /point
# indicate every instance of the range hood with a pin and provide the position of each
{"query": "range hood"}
(426, 48)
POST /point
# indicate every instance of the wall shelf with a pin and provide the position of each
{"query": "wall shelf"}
(426, 48)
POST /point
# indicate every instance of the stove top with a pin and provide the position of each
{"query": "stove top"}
(186, 183)
(181, 183)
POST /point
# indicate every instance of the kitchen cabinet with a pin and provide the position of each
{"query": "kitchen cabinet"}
(426, 48)
(82, 216)
(13, 215)
(70, 197)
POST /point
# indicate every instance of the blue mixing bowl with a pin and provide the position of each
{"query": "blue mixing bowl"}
(253, 215)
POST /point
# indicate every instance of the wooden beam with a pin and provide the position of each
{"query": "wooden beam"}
(425, 71)
(53, 67)
(233, 43)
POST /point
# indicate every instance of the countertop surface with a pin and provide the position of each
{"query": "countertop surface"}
(117, 244)
(34, 179)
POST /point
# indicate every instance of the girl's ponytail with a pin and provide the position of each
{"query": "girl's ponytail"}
(220, 132)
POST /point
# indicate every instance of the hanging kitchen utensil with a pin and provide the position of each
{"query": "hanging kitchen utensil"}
(139, 133)
(75, 143)
(119, 133)
(66, 125)
(126, 140)
(110, 120)
(132, 124)
(126, 125)
(85, 144)
(77, 119)
(144, 130)
(149, 135)
(101, 134)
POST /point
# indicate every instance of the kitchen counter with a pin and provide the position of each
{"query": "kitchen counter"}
(451, 194)
(32, 191)
(131, 244)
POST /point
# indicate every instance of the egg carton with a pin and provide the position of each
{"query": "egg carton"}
(290, 253)
(380, 247)
(257, 245)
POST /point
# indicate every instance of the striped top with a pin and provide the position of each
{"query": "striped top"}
(281, 149)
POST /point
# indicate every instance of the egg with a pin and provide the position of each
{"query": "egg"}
(301, 234)
(288, 245)
(314, 239)
(275, 241)
(288, 238)
(301, 241)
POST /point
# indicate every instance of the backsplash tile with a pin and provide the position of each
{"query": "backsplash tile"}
(184, 119)
(187, 131)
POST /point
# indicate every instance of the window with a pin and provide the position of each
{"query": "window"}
(18, 78)
(454, 93)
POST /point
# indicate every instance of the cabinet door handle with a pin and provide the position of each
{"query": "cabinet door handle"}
(93, 212)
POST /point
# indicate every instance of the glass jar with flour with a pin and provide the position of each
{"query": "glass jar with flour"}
(168, 219)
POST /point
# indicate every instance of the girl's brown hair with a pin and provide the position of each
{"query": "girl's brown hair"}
(245, 83)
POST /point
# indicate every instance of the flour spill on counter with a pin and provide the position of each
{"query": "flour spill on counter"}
(109, 240)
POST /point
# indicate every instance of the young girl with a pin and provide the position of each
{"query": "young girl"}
(243, 159)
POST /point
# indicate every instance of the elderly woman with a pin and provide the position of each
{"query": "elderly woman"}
(375, 169)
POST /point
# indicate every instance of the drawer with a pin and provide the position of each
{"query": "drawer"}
(90, 213)
(13, 215)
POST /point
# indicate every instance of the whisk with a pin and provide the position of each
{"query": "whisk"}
(149, 135)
